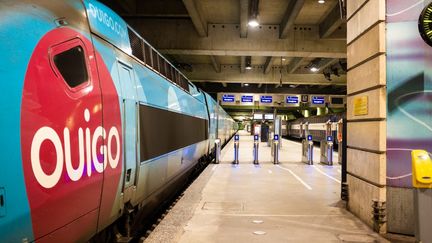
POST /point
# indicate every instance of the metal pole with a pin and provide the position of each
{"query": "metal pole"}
(236, 149)
(276, 149)
(256, 146)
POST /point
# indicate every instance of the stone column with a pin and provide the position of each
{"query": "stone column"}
(366, 107)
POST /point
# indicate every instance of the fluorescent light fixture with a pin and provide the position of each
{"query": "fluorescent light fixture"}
(283, 59)
(253, 23)
(314, 69)
(321, 1)
(248, 67)
(246, 84)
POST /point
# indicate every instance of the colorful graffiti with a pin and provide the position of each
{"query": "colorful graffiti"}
(409, 89)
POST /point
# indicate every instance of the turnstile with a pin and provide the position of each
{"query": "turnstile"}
(275, 149)
(256, 149)
(326, 146)
(307, 150)
(236, 149)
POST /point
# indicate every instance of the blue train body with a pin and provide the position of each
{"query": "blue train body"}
(96, 124)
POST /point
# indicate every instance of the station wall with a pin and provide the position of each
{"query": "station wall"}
(408, 107)
(388, 107)
(366, 113)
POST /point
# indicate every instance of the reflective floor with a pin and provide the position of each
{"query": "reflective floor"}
(289, 202)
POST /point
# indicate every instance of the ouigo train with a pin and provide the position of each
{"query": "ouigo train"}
(97, 127)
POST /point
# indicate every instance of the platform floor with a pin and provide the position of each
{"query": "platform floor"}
(289, 202)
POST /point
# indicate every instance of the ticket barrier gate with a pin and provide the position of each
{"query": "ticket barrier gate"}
(236, 149)
(255, 149)
(218, 145)
(422, 183)
(326, 147)
(307, 150)
(275, 149)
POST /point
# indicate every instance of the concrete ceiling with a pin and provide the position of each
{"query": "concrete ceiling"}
(213, 39)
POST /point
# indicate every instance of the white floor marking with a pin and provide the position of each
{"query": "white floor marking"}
(322, 172)
(298, 178)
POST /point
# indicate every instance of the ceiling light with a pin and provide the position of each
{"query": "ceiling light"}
(253, 13)
(248, 67)
(314, 69)
(283, 59)
(253, 23)
(321, 1)
(246, 84)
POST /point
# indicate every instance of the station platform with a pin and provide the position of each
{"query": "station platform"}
(289, 202)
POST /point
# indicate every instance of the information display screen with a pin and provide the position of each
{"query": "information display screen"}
(258, 116)
(292, 99)
(318, 100)
(268, 116)
(246, 98)
(266, 99)
(228, 98)
(337, 100)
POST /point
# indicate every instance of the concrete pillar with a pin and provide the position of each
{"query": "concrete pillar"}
(366, 108)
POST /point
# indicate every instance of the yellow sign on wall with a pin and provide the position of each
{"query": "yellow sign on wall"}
(360, 106)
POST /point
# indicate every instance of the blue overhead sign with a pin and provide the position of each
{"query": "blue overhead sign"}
(247, 98)
(228, 98)
(318, 100)
(329, 138)
(292, 99)
(309, 137)
(266, 99)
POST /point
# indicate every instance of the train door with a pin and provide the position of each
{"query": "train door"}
(130, 129)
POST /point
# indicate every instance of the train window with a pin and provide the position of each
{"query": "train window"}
(72, 66)
(148, 55)
(162, 66)
(136, 45)
(168, 71)
(155, 60)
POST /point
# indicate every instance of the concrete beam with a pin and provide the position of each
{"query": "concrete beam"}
(331, 23)
(215, 64)
(326, 63)
(295, 64)
(244, 18)
(179, 38)
(290, 16)
(242, 64)
(198, 21)
(205, 73)
(268, 64)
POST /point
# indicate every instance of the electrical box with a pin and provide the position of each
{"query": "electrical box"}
(421, 169)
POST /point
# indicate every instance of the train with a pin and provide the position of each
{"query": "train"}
(98, 128)
(320, 127)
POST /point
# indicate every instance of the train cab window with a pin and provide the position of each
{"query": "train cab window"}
(72, 66)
